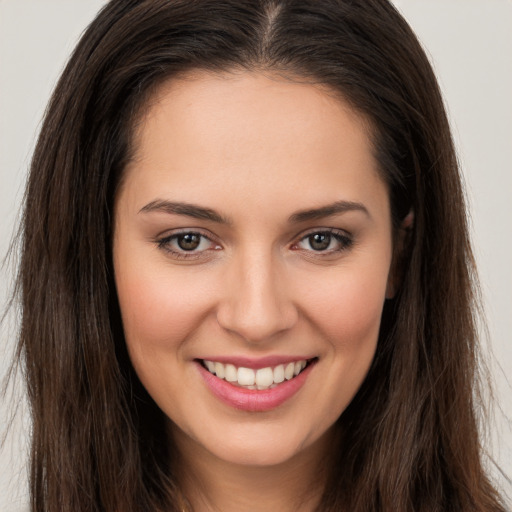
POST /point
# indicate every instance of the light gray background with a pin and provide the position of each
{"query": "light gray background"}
(470, 43)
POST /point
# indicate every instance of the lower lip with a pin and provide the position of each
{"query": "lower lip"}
(253, 400)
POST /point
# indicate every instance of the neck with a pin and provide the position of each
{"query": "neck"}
(212, 484)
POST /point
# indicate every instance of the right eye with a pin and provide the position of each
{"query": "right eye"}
(187, 244)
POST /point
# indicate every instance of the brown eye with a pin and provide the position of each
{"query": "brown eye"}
(188, 244)
(319, 241)
(326, 242)
(188, 241)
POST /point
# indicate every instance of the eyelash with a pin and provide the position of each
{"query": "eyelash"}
(344, 240)
(165, 244)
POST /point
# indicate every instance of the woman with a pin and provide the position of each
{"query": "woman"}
(228, 195)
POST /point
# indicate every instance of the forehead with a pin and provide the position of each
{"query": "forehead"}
(208, 135)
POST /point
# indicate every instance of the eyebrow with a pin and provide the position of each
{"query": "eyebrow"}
(327, 211)
(202, 213)
(187, 209)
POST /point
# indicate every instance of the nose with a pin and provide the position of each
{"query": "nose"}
(255, 302)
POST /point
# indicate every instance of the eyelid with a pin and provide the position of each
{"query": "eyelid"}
(344, 237)
(168, 233)
(163, 243)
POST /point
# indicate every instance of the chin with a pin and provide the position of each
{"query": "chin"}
(254, 454)
(258, 446)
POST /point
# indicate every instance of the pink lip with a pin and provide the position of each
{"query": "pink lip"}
(253, 400)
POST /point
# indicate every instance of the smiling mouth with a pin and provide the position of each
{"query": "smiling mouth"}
(261, 379)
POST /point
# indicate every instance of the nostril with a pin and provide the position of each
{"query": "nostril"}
(257, 324)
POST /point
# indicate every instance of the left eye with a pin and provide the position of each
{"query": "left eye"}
(324, 241)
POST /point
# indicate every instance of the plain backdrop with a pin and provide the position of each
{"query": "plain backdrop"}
(470, 44)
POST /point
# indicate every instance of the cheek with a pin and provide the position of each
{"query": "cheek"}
(347, 314)
(160, 308)
(348, 306)
(161, 312)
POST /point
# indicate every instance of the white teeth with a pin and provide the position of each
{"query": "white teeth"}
(231, 375)
(299, 366)
(219, 370)
(246, 376)
(279, 374)
(263, 378)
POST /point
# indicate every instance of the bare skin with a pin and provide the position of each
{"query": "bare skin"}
(295, 485)
(252, 225)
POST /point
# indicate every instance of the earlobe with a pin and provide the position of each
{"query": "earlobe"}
(401, 241)
(391, 288)
(408, 222)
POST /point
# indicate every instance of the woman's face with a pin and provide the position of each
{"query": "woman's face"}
(252, 238)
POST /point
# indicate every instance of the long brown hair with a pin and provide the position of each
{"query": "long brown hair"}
(410, 438)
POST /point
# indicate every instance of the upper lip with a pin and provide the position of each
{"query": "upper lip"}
(257, 363)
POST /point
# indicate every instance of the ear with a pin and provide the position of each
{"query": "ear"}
(401, 241)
